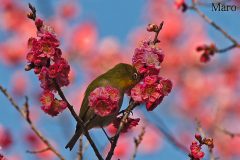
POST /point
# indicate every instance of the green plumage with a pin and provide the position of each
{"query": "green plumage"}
(123, 77)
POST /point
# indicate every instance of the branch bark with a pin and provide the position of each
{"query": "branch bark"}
(80, 152)
(79, 120)
(127, 112)
(137, 142)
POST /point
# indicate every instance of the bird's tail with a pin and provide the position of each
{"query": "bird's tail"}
(74, 139)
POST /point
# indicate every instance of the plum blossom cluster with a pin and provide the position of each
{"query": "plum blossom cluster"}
(207, 52)
(196, 153)
(104, 100)
(147, 59)
(45, 58)
(195, 147)
(152, 88)
(51, 105)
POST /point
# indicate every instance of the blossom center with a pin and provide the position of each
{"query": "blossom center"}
(150, 90)
(152, 59)
(46, 48)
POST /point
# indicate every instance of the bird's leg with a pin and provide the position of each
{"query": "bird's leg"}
(109, 138)
(123, 111)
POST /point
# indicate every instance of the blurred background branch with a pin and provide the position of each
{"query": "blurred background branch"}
(25, 115)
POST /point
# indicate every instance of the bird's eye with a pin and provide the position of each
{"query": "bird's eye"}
(135, 76)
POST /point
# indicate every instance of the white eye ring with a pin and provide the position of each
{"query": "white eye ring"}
(135, 76)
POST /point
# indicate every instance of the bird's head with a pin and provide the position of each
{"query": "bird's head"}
(124, 76)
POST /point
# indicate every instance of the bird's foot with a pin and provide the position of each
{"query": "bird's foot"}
(123, 111)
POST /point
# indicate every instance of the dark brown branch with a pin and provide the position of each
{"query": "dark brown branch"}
(156, 40)
(32, 15)
(26, 110)
(79, 120)
(226, 49)
(127, 112)
(24, 115)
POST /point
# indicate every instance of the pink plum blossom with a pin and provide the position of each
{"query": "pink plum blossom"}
(148, 58)
(151, 91)
(104, 100)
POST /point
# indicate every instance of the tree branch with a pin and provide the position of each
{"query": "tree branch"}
(212, 23)
(229, 133)
(127, 112)
(217, 27)
(156, 40)
(137, 142)
(80, 152)
(227, 48)
(79, 120)
(25, 115)
(32, 15)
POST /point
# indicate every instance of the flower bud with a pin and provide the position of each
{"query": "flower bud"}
(37, 70)
(198, 137)
(204, 58)
(152, 28)
(38, 23)
(29, 67)
(208, 142)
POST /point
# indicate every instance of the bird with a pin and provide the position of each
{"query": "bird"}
(122, 77)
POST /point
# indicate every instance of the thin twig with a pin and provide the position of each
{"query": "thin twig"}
(26, 110)
(24, 115)
(226, 49)
(208, 4)
(137, 142)
(85, 147)
(109, 139)
(131, 106)
(229, 133)
(212, 23)
(156, 40)
(80, 152)
(203, 134)
(199, 129)
(39, 151)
